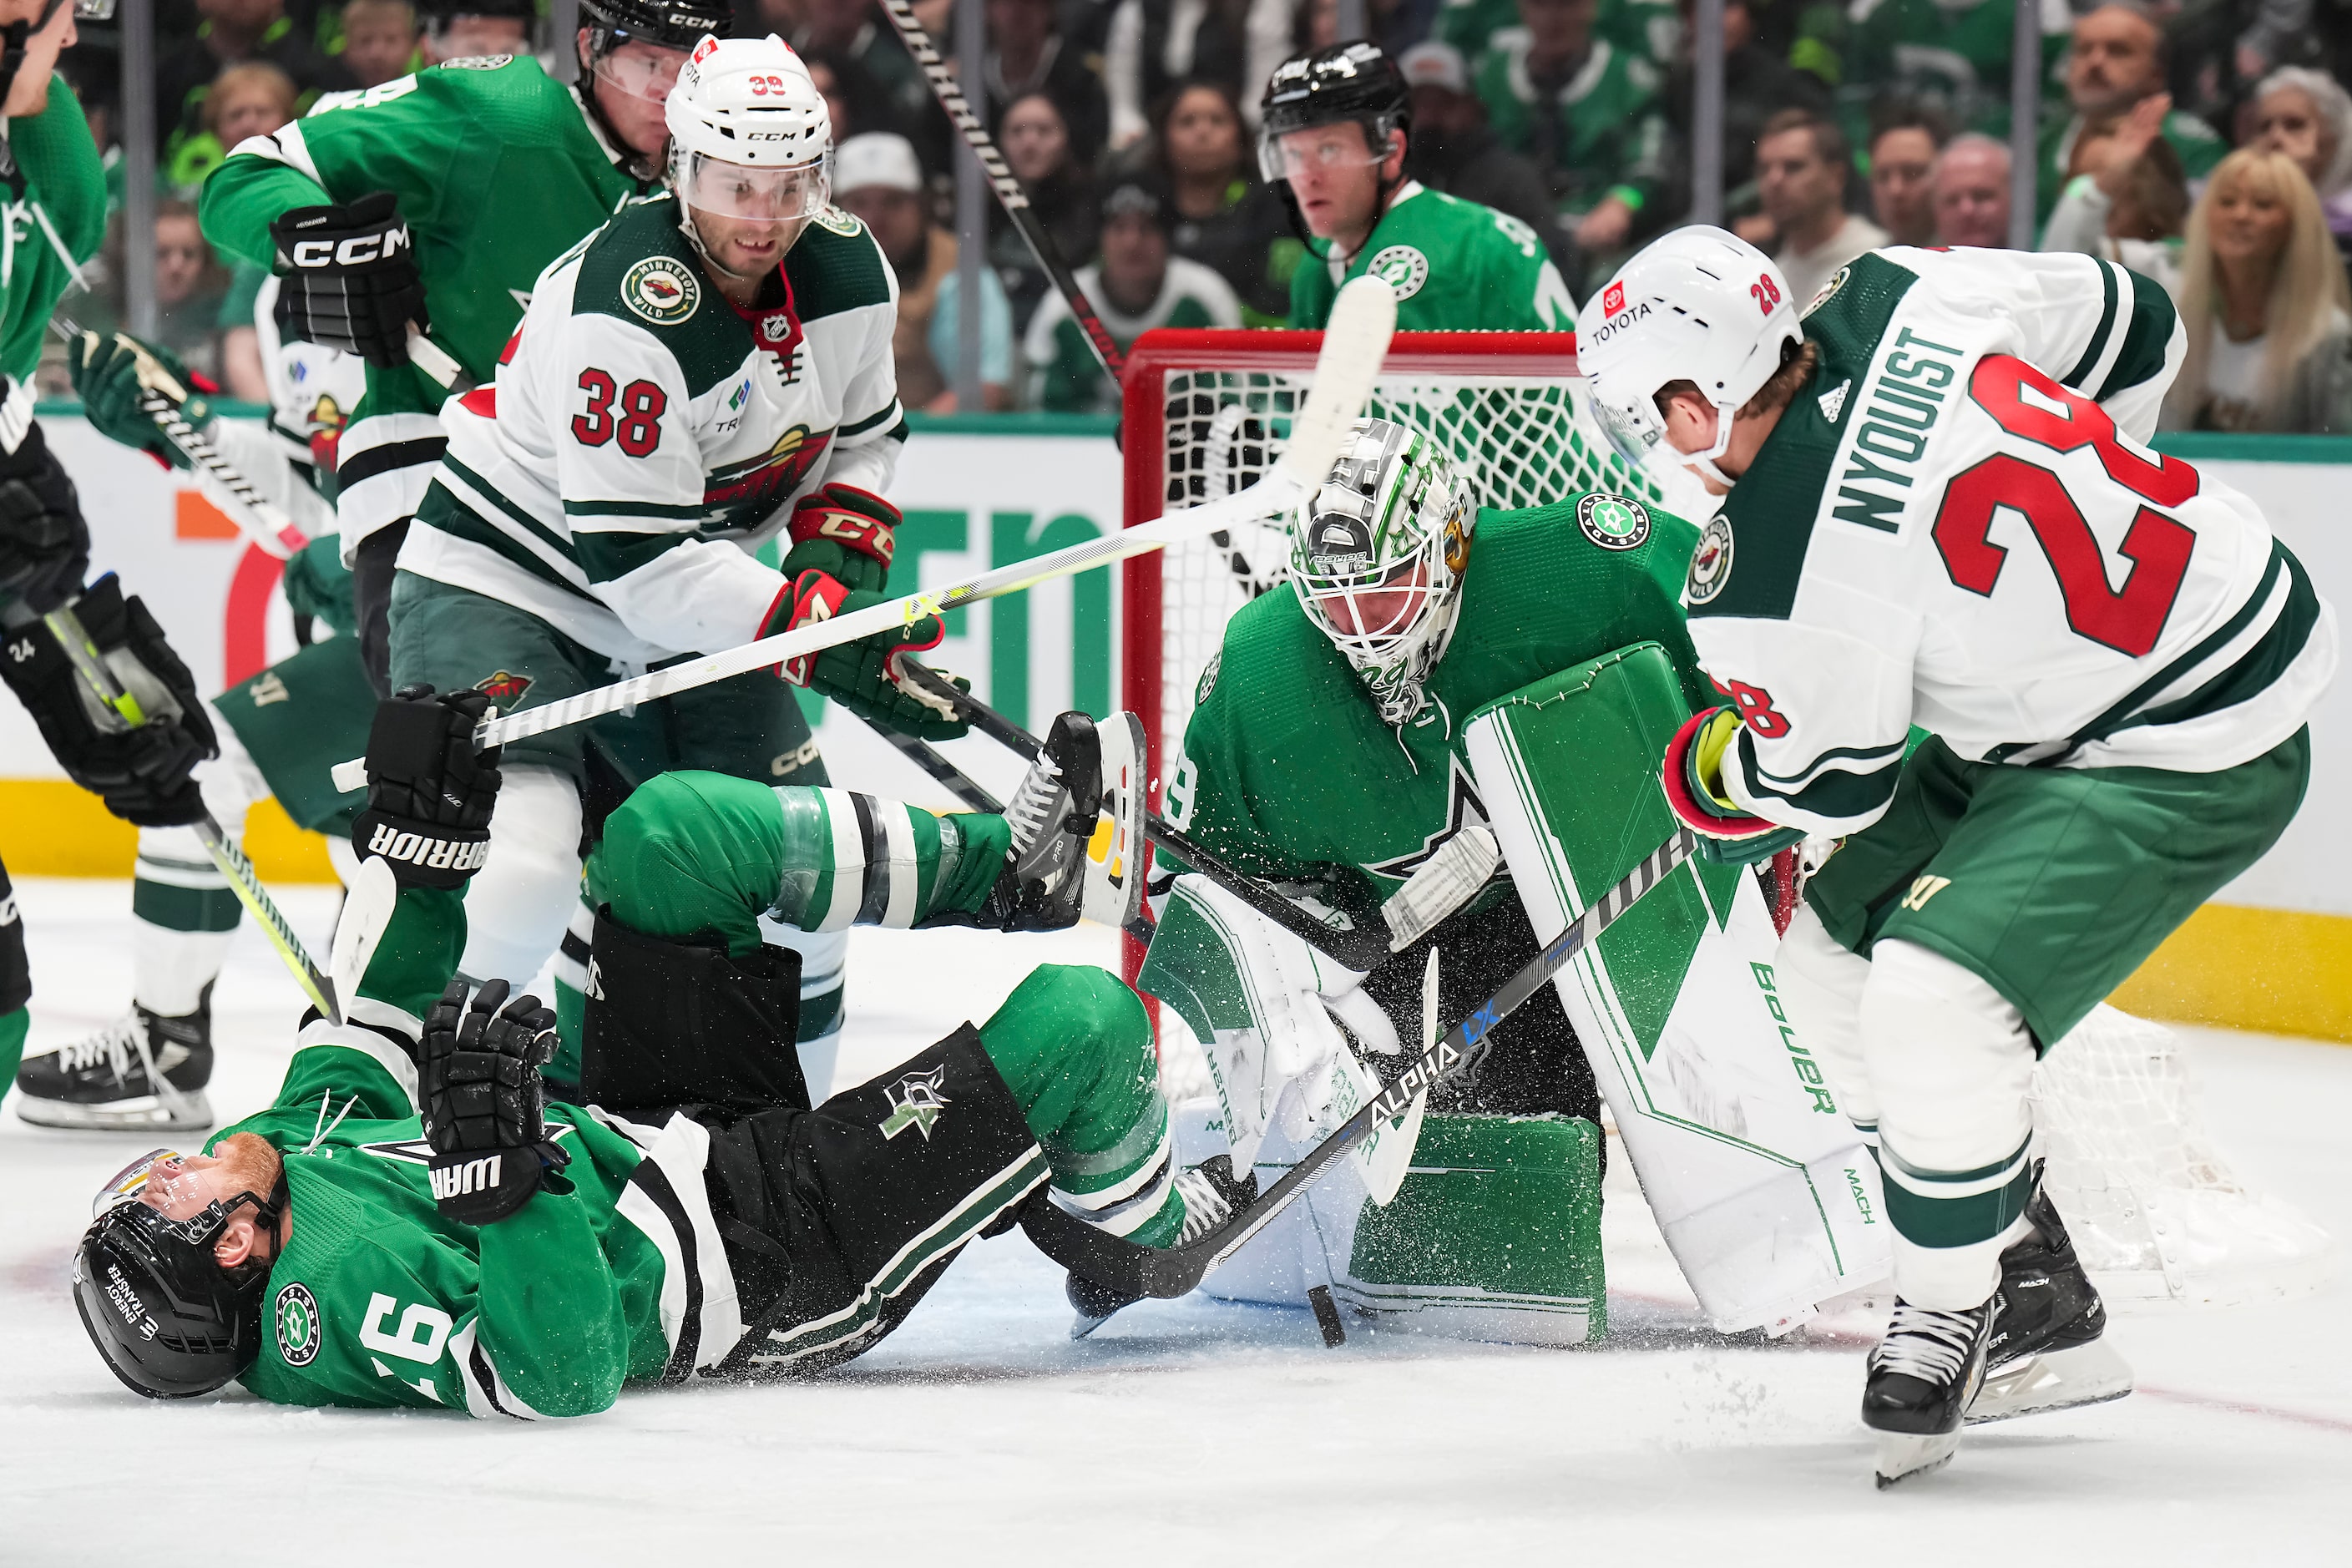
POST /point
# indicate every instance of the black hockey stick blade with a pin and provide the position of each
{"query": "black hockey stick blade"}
(1326, 1316)
(1136, 1272)
(940, 75)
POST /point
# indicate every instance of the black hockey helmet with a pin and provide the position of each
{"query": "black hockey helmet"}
(170, 1321)
(666, 24)
(1354, 81)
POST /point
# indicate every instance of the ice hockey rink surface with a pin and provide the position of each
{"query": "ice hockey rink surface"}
(1195, 1432)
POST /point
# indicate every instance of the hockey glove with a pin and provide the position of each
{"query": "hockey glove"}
(317, 585)
(863, 676)
(847, 534)
(112, 374)
(430, 793)
(484, 1104)
(44, 543)
(142, 775)
(1693, 777)
(351, 281)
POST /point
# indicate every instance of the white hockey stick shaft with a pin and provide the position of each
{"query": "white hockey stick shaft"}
(1355, 344)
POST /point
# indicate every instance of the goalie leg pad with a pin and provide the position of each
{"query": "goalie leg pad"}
(679, 1023)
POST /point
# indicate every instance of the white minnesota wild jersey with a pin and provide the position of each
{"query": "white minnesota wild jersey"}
(1957, 524)
(644, 435)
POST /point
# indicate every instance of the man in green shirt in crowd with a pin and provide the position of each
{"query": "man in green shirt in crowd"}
(1334, 129)
(1137, 286)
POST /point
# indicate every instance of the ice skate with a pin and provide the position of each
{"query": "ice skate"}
(144, 1072)
(2047, 1352)
(1210, 1196)
(1077, 823)
(1921, 1378)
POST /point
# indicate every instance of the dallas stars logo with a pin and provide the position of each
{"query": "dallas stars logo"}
(1462, 809)
(915, 1102)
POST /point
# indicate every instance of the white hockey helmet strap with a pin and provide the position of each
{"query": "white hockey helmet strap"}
(1700, 305)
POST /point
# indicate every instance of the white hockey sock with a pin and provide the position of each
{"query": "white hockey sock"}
(517, 905)
(1821, 985)
(1951, 1065)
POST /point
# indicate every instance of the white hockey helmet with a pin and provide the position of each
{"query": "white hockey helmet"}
(1701, 305)
(749, 133)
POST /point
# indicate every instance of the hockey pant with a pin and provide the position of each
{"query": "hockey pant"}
(15, 984)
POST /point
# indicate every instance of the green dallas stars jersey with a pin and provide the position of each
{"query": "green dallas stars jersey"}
(55, 195)
(1456, 266)
(1608, 131)
(642, 426)
(499, 169)
(1287, 770)
(380, 1301)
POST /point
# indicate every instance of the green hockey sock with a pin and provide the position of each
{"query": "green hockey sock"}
(13, 1026)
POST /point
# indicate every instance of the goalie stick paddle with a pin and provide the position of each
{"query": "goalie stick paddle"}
(1363, 319)
(261, 520)
(243, 881)
(940, 75)
(1124, 1268)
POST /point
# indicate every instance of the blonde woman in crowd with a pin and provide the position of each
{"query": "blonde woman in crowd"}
(2264, 304)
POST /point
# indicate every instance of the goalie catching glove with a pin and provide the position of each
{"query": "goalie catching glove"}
(484, 1105)
(429, 793)
(1693, 776)
(864, 676)
(351, 281)
(113, 375)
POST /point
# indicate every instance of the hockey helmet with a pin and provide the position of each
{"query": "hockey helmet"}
(1345, 82)
(1377, 553)
(170, 1321)
(750, 135)
(668, 24)
(1699, 305)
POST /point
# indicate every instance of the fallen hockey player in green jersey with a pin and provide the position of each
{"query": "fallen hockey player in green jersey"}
(408, 1225)
(1336, 751)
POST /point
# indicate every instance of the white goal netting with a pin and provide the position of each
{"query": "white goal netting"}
(2154, 1209)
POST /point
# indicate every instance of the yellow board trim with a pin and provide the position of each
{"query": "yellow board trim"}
(2281, 971)
(53, 827)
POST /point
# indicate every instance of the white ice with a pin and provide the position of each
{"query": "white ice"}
(1194, 1432)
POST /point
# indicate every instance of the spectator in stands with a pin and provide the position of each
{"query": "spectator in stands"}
(1949, 55)
(1062, 195)
(1149, 48)
(2116, 60)
(1025, 55)
(1136, 286)
(1971, 193)
(1757, 83)
(234, 31)
(877, 177)
(189, 284)
(1801, 161)
(471, 29)
(863, 48)
(2264, 304)
(1220, 214)
(1453, 150)
(2307, 115)
(2133, 205)
(379, 40)
(1903, 141)
(249, 99)
(1585, 113)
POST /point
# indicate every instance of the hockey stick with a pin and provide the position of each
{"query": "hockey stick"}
(261, 520)
(66, 627)
(1001, 178)
(1125, 1269)
(1363, 319)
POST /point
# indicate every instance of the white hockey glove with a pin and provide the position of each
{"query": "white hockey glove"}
(1292, 1058)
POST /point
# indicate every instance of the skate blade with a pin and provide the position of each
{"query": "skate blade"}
(2059, 1380)
(144, 1115)
(1902, 1455)
(1082, 1323)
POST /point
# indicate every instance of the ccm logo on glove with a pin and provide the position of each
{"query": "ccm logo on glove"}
(356, 251)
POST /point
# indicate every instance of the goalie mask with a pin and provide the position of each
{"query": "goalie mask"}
(1377, 553)
(750, 137)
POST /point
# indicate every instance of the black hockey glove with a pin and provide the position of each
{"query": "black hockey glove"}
(111, 376)
(430, 793)
(351, 281)
(142, 775)
(484, 1105)
(44, 543)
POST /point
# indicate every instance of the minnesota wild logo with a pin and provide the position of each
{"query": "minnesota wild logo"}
(777, 472)
(1613, 523)
(662, 289)
(1710, 566)
(915, 1102)
(297, 1316)
(833, 220)
(505, 685)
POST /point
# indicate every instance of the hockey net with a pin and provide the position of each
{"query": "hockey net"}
(2154, 1209)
